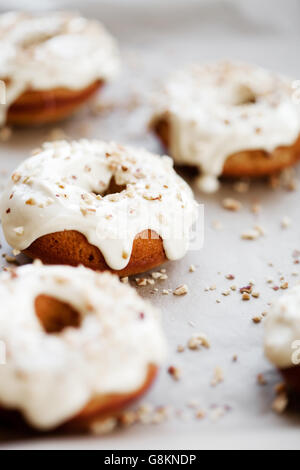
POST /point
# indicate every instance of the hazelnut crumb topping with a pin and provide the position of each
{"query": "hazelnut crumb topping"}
(261, 380)
(232, 205)
(280, 403)
(174, 372)
(181, 290)
(196, 341)
(218, 377)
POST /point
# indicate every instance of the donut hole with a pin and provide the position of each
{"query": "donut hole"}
(244, 96)
(55, 315)
(113, 188)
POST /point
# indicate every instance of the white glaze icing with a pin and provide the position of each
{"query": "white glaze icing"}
(56, 189)
(58, 49)
(282, 329)
(212, 116)
(51, 377)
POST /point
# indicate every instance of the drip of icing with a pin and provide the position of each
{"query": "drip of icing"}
(218, 110)
(282, 329)
(60, 188)
(51, 377)
(207, 183)
(43, 53)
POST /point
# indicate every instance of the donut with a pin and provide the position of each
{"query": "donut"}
(80, 346)
(230, 119)
(51, 64)
(102, 205)
(282, 337)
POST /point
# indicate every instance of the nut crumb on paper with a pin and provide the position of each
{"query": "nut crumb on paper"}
(232, 205)
(181, 290)
(218, 377)
(280, 403)
(196, 341)
(174, 372)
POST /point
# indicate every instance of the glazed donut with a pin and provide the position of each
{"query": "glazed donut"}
(51, 64)
(229, 119)
(79, 346)
(98, 204)
(282, 337)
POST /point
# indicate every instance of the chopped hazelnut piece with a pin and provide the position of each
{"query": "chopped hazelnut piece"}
(195, 342)
(261, 380)
(218, 377)
(286, 222)
(200, 414)
(141, 282)
(256, 295)
(231, 205)
(226, 293)
(159, 276)
(260, 230)
(31, 202)
(16, 177)
(250, 235)
(247, 290)
(246, 297)
(181, 290)
(241, 187)
(128, 418)
(280, 403)
(105, 426)
(174, 372)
